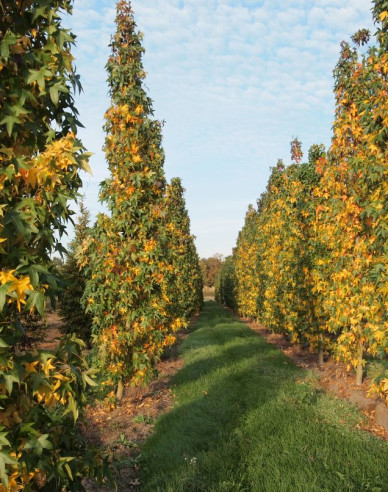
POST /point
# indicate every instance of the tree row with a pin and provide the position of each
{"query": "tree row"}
(133, 279)
(311, 260)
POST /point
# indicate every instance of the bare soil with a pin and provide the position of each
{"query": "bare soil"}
(53, 332)
(122, 428)
(47, 333)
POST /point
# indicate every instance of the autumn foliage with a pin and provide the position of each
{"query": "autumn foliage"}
(210, 268)
(186, 287)
(134, 255)
(352, 219)
(245, 267)
(71, 310)
(311, 260)
(42, 394)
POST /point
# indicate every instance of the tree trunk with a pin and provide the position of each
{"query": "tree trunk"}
(320, 351)
(360, 366)
(120, 390)
(320, 357)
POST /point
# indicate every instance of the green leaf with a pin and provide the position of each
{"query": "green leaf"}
(38, 76)
(54, 94)
(39, 12)
(15, 218)
(86, 167)
(5, 459)
(40, 79)
(36, 299)
(3, 344)
(28, 428)
(3, 440)
(72, 408)
(39, 444)
(9, 120)
(9, 380)
(18, 109)
(3, 296)
(63, 36)
(89, 380)
(33, 76)
(34, 276)
(68, 469)
(6, 42)
(44, 442)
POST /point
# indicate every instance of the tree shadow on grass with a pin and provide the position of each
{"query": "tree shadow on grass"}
(216, 387)
(239, 426)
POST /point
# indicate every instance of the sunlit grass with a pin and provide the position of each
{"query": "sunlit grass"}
(246, 419)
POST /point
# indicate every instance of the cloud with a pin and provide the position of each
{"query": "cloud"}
(233, 79)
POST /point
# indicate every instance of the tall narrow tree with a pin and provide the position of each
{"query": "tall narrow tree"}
(127, 254)
(245, 258)
(75, 320)
(186, 288)
(352, 220)
(226, 283)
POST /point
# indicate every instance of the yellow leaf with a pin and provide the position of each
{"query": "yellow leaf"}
(21, 285)
(47, 366)
(7, 276)
(30, 366)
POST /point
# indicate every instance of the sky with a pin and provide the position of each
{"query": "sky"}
(234, 81)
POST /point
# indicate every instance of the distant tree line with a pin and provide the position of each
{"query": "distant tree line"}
(209, 268)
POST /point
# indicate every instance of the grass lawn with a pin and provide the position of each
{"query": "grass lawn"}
(245, 419)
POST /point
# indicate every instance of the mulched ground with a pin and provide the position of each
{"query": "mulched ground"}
(122, 429)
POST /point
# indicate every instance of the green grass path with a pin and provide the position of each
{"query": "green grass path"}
(243, 421)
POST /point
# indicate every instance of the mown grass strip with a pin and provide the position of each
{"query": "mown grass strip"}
(245, 419)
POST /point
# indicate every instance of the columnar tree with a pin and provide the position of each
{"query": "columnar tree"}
(226, 283)
(352, 220)
(75, 320)
(312, 326)
(270, 222)
(323, 225)
(288, 214)
(186, 288)
(275, 253)
(245, 264)
(40, 161)
(127, 254)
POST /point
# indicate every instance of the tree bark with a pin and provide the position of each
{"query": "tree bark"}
(120, 390)
(360, 366)
(320, 357)
(320, 351)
